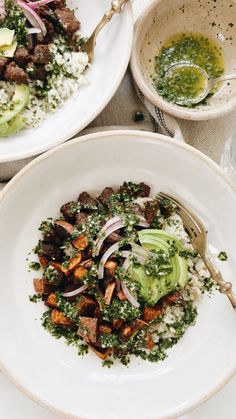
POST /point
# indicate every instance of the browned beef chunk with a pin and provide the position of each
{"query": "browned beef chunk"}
(63, 229)
(3, 62)
(30, 43)
(81, 218)
(50, 251)
(13, 73)
(41, 54)
(36, 72)
(69, 210)
(86, 201)
(167, 207)
(22, 56)
(105, 195)
(48, 38)
(151, 209)
(57, 4)
(144, 190)
(68, 20)
(135, 190)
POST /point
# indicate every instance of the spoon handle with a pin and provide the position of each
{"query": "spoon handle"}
(116, 7)
(223, 78)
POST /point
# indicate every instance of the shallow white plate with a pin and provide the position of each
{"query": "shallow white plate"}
(46, 369)
(111, 60)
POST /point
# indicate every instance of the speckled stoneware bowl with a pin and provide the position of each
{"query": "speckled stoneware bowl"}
(215, 19)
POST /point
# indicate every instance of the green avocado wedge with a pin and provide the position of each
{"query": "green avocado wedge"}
(15, 106)
(152, 289)
(13, 126)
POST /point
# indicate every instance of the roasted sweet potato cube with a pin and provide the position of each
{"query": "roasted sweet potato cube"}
(87, 306)
(101, 352)
(117, 323)
(129, 330)
(110, 268)
(88, 329)
(109, 292)
(105, 329)
(121, 296)
(151, 313)
(39, 286)
(81, 242)
(59, 319)
(43, 261)
(63, 229)
(51, 300)
(80, 273)
(174, 298)
(74, 262)
(149, 341)
(61, 268)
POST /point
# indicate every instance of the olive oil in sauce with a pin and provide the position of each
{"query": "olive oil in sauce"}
(184, 83)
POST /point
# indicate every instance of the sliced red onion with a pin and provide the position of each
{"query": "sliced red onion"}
(103, 235)
(139, 250)
(129, 296)
(2, 9)
(104, 258)
(144, 224)
(127, 263)
(32, 16)
(31, 31)
(75, 292)
(109, 223)
(36, 4)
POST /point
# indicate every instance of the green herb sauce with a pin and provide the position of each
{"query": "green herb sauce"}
(186, 82)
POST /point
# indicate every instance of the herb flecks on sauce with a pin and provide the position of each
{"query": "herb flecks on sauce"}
(186, 82)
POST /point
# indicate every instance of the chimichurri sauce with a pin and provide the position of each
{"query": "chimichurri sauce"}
(186, 82)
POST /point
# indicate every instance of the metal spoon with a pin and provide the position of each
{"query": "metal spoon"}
(209, 83)
(116, 7)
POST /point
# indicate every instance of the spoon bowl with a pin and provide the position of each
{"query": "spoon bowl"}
(207, 84)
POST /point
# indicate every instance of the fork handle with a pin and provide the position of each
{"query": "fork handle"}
(116, 7)
(224, 287)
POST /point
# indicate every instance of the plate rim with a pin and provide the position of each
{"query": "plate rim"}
(11, 157)
(178, 411)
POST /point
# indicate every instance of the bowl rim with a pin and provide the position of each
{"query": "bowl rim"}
(11, 157)
(157, 100)
(93, 137)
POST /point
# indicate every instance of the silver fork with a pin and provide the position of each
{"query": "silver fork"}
(198, 235)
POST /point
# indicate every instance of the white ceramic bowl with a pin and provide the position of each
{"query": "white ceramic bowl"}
(104, 77)
(166, 18)
(46, 369)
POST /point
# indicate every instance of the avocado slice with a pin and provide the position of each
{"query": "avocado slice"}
(6, 36)
(149, 236)
(8, 51)
(154, 288)
(13, 126)
(15, 106)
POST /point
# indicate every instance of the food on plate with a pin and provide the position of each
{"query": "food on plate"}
(186, 82)
(119, 274)
(41, 62)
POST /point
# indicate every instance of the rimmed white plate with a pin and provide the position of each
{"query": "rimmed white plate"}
(104, 77)
(46, 369)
